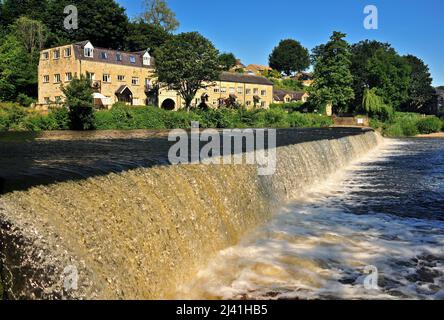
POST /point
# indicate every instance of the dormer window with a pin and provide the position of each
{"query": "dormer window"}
(88, 50)
(119, 57)
(146, 59)
(132, 59)
(104, 55)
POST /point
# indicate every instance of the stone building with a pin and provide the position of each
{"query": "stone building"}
(128, 77)
(241, 89)
(286, 96)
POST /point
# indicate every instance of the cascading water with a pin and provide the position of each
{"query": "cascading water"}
(141, 233)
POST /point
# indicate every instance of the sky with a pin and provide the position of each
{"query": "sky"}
(252, 28)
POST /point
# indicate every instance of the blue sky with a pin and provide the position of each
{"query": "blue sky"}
(252, 28)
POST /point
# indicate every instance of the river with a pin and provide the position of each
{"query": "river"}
(385, 212)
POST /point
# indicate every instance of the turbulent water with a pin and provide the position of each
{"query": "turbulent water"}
(387, 211)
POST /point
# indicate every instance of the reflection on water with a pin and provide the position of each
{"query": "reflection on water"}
(386, 211)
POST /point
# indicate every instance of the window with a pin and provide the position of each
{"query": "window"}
(67, 52)
(263, 92)
(58, 99)
(215, 102)
(89, 52)
(57, 78)
(118, 56)
(91, 76)
(104, 55)
(135, 81)
(223, 89)
(107, 78)
(248, 91)
(232, 90)
(47, 100)
(56, 54)
(45, 55)
(68, 76)
(255, 91)
(45, 79)
(240, 90)
(146, 59)
(216, 90)
(121, 78)
(132, 59)
(263, 104)
(248, 103)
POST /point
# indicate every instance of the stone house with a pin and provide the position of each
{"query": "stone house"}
(286, 96)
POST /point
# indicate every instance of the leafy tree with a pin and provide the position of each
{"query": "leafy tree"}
(160, 15)
(420, 92)
(289, 57)
(187, 62)
(227, 61)
(103, 22)
(10, 10)
(79, 102)
(362, 52)
(17, 74)
(142, 35)
(374, 105)
(440, 87)
(390, 74)
(32, 34)
(288, 84)
(333, 79)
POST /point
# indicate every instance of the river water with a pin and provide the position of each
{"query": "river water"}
(384, 213)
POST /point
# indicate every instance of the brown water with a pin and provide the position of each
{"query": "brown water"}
(135, 227)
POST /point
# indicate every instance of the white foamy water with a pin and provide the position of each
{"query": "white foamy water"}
(319, 245)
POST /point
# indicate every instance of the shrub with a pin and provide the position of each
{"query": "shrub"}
(24, 100)
(429, 125)
(61, 117)
(79, 102)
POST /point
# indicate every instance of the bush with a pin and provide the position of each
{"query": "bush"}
(429, 125)
(24, 100)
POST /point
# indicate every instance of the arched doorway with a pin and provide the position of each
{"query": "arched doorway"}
(124, 95)
(168, 104)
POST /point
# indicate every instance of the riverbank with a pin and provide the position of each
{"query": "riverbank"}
(431, 135)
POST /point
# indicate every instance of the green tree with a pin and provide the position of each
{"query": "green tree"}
(32, 34)
(420, 92)
(227, 61)
(362, 52)
(142, 35)
(187, 62)
(17, 74)
(79, 102)
(390, 74)
(160, 15)
(332, 77)
(374, 105)
(289, 57)
(10, 10)
(103, 22)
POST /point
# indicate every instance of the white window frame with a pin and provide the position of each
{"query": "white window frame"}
(67, 52)
(56, 54)
(240, 90)
(45, 55)
(132, 59)
(120, 78)
(106, 78)
(57, 78)
(46, 78)
(68, 76)
(248, 91)
(263, 93)
(104, 55)
(119, 57)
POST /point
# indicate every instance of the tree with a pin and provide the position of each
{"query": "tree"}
(142, 35)
(160, 15)
(187, 62)
(332, 77)
(227, 61)
(374, 105)
(389, 73)
(10, 10)
(289, 57)
(17, 74)
(362, 52)
(420, 92)
(79, 102)
(32, 34)
(103, 22)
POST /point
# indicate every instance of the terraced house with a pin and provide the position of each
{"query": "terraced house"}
(128, 77)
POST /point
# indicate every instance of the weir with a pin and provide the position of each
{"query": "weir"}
(137, 234)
